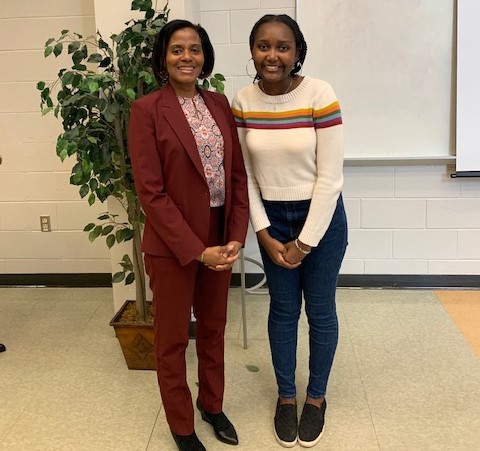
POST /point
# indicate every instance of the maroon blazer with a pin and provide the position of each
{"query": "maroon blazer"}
(170, 180)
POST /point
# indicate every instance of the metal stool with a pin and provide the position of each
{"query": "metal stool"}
(255, 289)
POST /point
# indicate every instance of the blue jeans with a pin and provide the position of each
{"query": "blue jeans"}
(316, 278)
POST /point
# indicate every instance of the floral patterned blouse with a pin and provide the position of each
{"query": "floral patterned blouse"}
(210, 145)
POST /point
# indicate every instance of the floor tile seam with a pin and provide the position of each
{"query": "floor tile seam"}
(89, 320)
(360, 376)
(12, 424)
(153, 428)
(402, 326)
(413, 344)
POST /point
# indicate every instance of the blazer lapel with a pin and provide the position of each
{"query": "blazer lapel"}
(173, 113)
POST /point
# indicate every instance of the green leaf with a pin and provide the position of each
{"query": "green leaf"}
(93, 186)
(130, 278)
(127, 234)
(63, 154)
(95, 233)
(102, 44)
(92, 139)
(205, 84)
(89, 227)
(118, 277)
(67, 78)
(65, 32)
(219, 77)
(45, 93)
(49, 42)
(95, 58)
(137, 28)
(84, 51)
(107, 229)
(58, 49)
(46, 110)
(253, 368)
(41, 85)
(118, 236)
(220, 87)
(105, 62)
(103, 216)
(93, 86)
(73, 47)
(126, 259)
(79, 67)
(110, 241)
(86, 166)
(77, 57)
(77, 79)
(110, 112)
(48, 50)
(131, 93)
(84, 189)
(91, 199)
(150, 13)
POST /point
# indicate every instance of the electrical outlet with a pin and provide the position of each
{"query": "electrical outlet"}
(45, 223)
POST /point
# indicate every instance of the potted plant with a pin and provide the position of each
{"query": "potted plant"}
(93, 99)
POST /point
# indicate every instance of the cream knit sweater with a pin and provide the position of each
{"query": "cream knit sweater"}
(293, 150)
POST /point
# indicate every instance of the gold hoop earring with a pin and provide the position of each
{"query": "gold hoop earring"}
(248, 73)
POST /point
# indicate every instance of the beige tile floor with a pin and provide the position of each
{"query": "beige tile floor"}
(404, 377)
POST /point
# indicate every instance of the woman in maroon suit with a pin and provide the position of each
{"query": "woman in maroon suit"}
(191, 181)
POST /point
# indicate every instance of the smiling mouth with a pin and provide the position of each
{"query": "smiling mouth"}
(186, 69)
(271, 68)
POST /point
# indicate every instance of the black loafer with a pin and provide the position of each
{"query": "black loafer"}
(188, 442)
(224, 430)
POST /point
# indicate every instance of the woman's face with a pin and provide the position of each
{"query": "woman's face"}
(274, 51)
(184, 59)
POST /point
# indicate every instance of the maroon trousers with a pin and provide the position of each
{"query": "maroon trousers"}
(175, 290)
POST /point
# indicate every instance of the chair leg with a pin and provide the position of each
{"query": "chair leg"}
(244, 295)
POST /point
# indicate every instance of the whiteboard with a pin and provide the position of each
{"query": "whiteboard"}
(468, 86)
(390, 63)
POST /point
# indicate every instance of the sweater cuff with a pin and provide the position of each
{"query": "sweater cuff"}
(308, 237)
(259, 222)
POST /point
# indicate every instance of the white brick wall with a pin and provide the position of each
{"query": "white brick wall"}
(402, 220)
(33, 181)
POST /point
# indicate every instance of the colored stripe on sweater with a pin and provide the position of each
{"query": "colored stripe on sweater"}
(321, 118)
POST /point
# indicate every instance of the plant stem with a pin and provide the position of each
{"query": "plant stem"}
(133, 214)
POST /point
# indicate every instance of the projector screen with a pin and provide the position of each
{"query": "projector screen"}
(468, 86)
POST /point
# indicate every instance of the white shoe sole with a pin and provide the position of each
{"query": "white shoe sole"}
(312, 443)
(282, 442)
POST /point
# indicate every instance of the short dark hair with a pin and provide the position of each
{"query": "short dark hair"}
(162, 39)
(300, 42)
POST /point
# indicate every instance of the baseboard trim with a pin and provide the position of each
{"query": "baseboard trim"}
(345, 280)
(405, 281)
(57, 280)
(430, 281)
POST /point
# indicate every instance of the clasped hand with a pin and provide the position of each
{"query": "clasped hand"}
(285, 255)
(221, 258)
